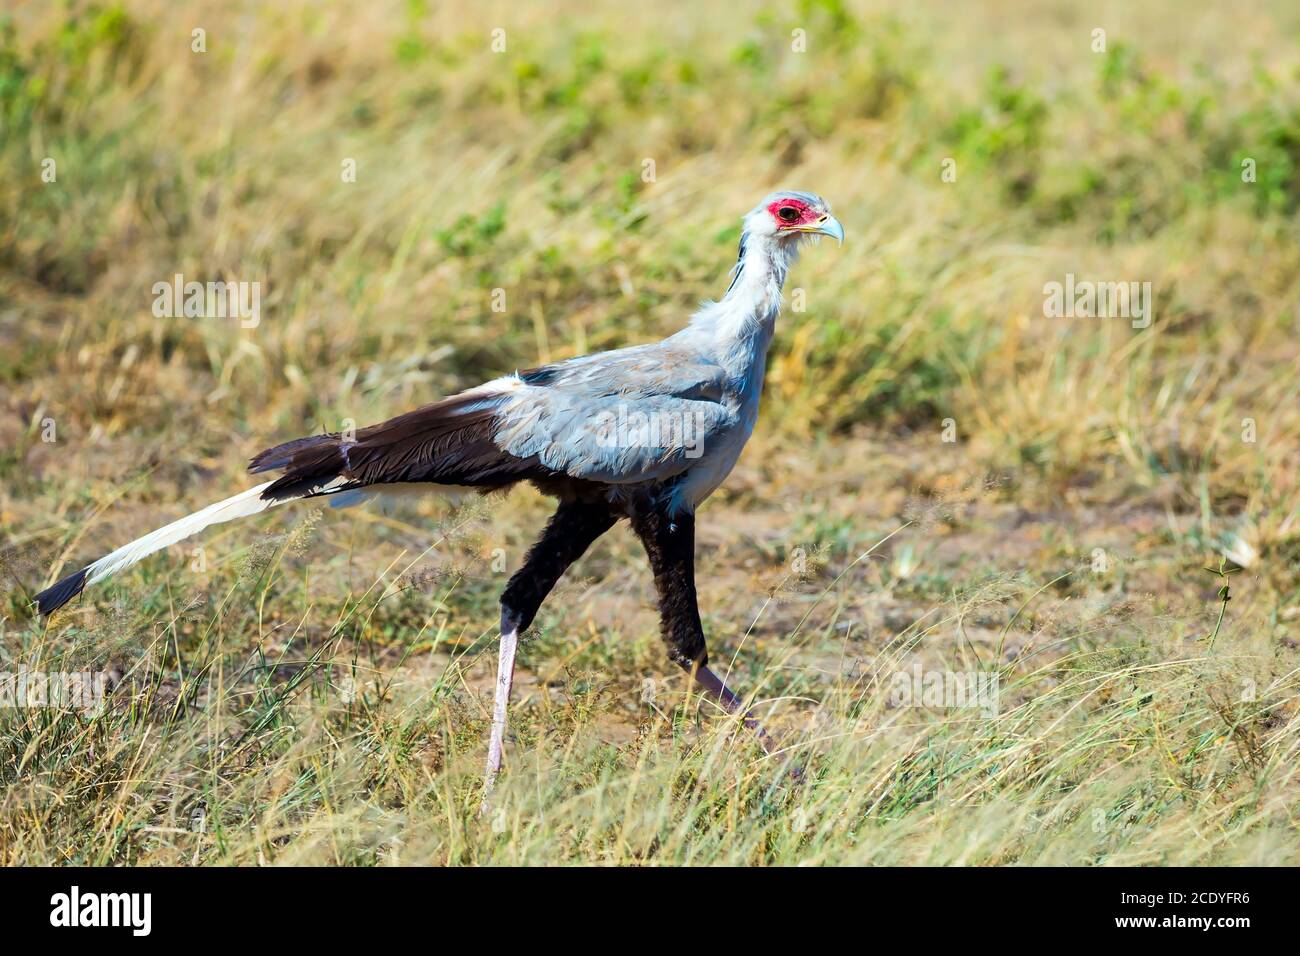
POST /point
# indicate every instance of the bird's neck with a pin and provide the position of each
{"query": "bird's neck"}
(742, 323)
(759, 273)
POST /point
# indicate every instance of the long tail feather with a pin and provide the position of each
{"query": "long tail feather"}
(448, 443)
(242, 505)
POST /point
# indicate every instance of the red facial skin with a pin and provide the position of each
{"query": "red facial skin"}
(806, 213)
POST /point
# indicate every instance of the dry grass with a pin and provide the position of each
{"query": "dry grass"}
(316, 692)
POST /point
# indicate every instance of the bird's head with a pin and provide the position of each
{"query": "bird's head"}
(787, 216)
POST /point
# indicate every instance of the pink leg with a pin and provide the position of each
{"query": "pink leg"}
(713, 686)
(505, 675)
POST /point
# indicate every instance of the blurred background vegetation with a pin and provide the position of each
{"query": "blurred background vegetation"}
(523, 170)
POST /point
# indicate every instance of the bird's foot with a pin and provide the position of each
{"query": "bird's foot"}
(718, 691)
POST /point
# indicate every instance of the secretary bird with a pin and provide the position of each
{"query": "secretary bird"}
(644, 433)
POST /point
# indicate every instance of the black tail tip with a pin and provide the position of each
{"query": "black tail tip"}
(57, 595)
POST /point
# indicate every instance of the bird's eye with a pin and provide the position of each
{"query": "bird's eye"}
(788, 213)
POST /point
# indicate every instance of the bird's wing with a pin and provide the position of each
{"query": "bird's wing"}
(638, 414)
(642, 370)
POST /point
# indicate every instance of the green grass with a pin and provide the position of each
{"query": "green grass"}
(317, 690)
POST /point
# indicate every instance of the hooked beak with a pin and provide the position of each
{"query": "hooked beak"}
(827, 225)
